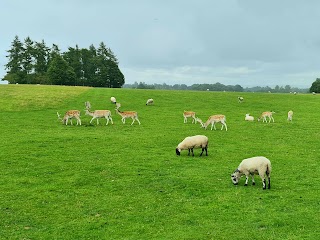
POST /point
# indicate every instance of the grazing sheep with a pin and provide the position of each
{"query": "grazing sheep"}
(248, 117)
(251, 166)
(187, 114)
(264, 116)
(240, 99)
(149, 101)
(198, 141)
(290, 114)
(113, 100)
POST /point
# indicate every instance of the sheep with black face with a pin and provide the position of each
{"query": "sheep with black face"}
(250, 166)
(197, 141)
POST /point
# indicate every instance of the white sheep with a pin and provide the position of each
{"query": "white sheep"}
(240, 99)
(113, 100)
(248, 117)
(290, 114)
(251, 166)
(197, 141)
(149, 101)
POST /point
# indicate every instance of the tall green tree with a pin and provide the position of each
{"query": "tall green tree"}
(59, 71)
(41, 58)
(315, 87)
(28, 59)
(74, 59)
(108, 74)
(14, 65)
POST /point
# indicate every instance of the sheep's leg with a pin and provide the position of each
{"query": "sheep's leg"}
(268, 182)
(201, 152)
(185, 120)
(225, 126)
(132, 121)
(92, 119)
(188, 151)
(138, 121)
(111, 119)
(264, 183)
(247, 178)
(205, 148)
(253, 182)
(78, 120)
(123, 120)
(192, 152)
(272, 119)
(107, 120)
(97, 121)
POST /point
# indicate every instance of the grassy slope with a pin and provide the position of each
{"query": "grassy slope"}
(125, 182)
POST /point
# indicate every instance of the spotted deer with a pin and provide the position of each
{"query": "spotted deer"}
(264, 116)
(100, 114)
(128, 114)
(189, 114)
(214, 119)
(69, 115)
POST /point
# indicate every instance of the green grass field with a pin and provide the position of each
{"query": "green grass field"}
(125, 182)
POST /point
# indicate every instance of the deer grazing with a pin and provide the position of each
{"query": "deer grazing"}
(69, 115)
(188, 114)
(212, 120)
(98, 114)
(264, 116)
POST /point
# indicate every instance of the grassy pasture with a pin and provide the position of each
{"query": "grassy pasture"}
(125, 182)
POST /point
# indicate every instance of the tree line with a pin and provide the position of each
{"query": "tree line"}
(216, 87)
(32, 62)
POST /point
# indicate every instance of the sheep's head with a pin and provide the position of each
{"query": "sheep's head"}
(235, 177)
(178, 151)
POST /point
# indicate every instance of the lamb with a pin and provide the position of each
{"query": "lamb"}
(187, 114)
(248, 117)
(149, 101)
(250, 166)
(264, 116)
(290, 114)
(197, 141)
(240, 99)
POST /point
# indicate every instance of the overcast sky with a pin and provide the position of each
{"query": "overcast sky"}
(246, 42)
